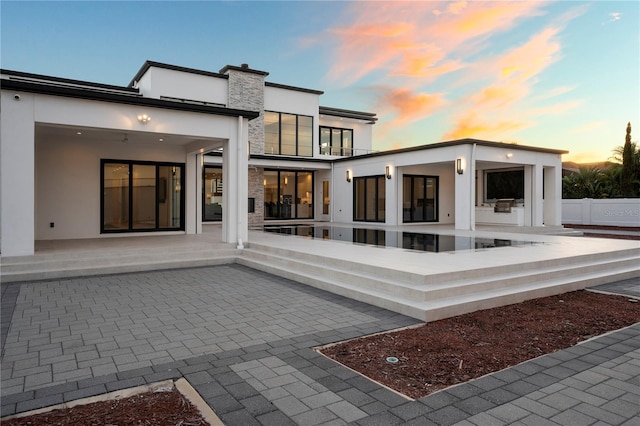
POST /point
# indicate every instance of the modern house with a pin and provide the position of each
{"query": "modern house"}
(178, 148)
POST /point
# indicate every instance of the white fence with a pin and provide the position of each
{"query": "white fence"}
(611, 212)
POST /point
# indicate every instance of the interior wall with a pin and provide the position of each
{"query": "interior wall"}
(68, 183)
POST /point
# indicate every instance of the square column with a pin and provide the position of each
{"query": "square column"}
(533, 203)
(464, 172)
(552, 196)
(235, 186)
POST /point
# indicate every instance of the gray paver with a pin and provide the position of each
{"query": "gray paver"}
(256, 366)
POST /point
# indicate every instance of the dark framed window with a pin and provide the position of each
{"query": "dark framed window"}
(504, 183)
(288, 134)
(141, 196)
(419, 198)
(212, 194)
(369, 199)
(336, 141)
(288, 194)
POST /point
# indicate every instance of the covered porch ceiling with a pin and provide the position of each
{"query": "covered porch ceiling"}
(91, 134)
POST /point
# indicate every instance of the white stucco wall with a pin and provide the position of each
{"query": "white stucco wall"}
(16, 173)
(157, 82)
(68, 182)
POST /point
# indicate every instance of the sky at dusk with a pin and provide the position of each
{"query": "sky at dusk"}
(563, 75)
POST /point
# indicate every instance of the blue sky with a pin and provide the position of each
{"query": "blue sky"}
(562, 75)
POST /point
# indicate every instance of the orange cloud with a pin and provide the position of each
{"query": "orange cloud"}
(473, 126)
(408, 106)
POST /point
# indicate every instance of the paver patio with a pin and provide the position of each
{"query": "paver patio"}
(244, 340)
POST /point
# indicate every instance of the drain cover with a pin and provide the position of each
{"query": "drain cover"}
(392, 360)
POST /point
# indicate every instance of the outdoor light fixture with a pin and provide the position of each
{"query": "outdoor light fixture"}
(459, 168)
(387, 172)
(348, 175)
(144, 118)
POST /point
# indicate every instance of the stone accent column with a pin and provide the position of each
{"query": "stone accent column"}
(246, 91)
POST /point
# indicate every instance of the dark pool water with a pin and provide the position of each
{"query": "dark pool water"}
(419, 241)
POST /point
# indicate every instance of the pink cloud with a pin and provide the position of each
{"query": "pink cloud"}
(410, 47)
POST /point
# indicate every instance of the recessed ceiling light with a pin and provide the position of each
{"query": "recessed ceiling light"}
(161, 140)
(78, 133)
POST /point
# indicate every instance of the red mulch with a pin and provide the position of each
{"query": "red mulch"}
(439, 354)
(152, 408)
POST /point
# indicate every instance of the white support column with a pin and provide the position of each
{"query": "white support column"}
(393, 187)
(553, 196)
(199, 182)
(229, 192)
(533, 212)
(464, 191)
(17, 175)
(538, 203)
(191, 199)
(235, 187)
(242, 233)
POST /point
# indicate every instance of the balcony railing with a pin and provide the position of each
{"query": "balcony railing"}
(344, 152)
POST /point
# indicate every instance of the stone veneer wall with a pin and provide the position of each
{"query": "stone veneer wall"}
(256, 190)
(246, 91)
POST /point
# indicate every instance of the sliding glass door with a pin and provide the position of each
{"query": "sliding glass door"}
(141, 196)
(419, 198)
(288, 194)
(369, 199)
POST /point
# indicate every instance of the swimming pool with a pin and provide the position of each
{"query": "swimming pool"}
(419, 241)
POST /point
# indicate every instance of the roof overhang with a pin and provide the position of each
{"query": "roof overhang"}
(117, 95)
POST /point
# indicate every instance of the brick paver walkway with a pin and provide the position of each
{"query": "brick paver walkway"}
(244, 340)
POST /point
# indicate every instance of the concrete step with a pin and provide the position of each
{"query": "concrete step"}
(450, 295)
(63, 265)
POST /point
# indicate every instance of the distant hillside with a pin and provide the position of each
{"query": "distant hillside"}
(573, 166)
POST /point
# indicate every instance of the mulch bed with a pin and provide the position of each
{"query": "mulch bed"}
(169, 408)
(443, 353)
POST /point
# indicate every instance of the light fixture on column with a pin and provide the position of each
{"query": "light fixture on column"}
(348, 175)
(387, 172)
(459, 167)
(144, 118)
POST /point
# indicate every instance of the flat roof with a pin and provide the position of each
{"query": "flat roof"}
(40, 84)
(467, 141)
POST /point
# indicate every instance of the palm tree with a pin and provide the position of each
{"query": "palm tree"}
(588, 182)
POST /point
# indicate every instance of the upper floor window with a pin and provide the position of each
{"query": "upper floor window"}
(336, 141)
(288, 134)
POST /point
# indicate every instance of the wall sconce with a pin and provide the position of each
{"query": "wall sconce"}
(348, 176)
(144, 118)
(459, 168)
(286, 180)
(387, 172)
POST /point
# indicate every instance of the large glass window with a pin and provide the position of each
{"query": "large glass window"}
(141, 196)
(504, 184)
(419, 198)
(288, 134)
(288, 194)
(336, 141)
(212, 192)
(369, 199)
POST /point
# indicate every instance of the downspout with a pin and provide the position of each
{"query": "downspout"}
(472, 192)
